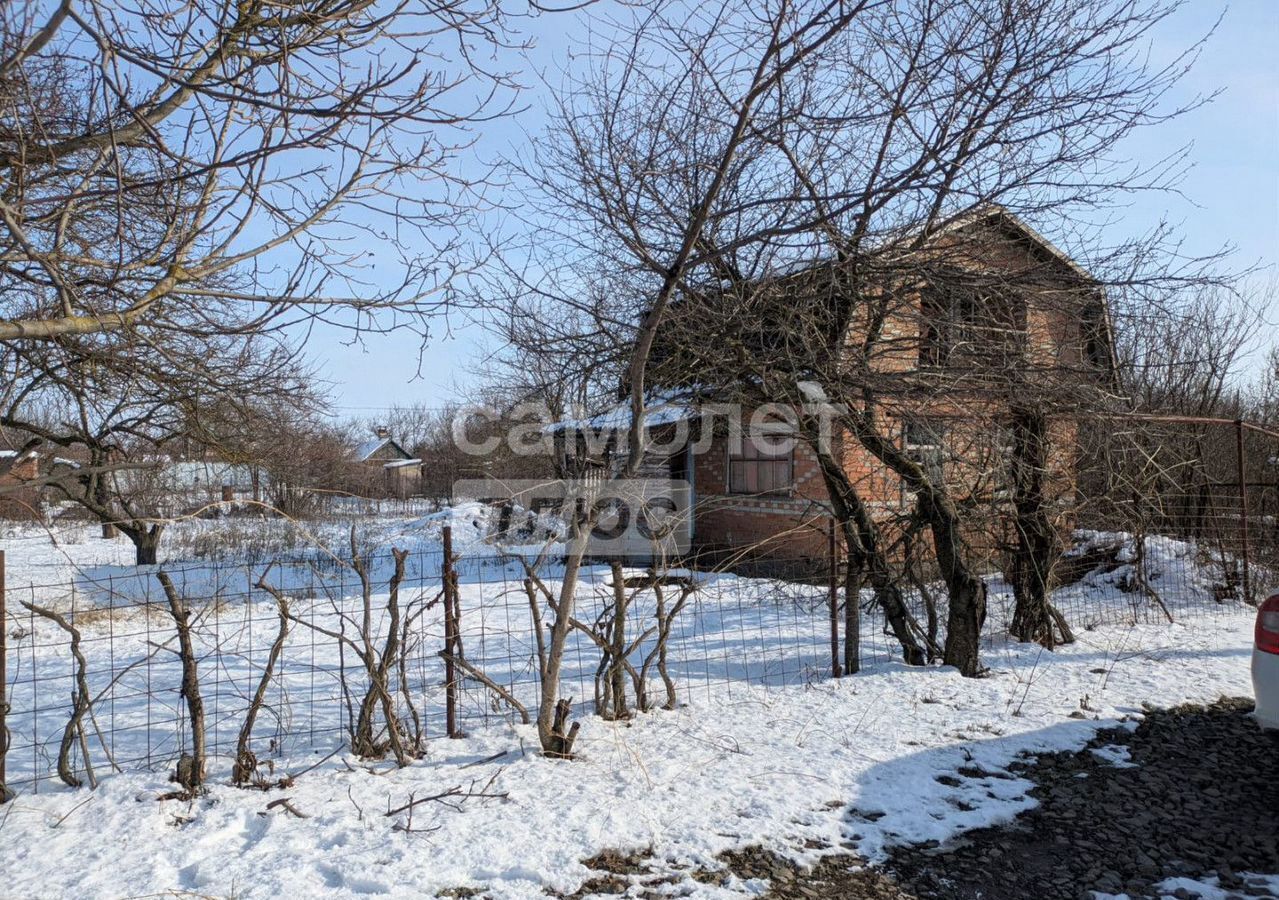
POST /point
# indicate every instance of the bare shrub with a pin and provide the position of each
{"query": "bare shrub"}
(380, 658)
(245, 766)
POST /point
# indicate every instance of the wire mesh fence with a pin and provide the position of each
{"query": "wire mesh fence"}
(733, 632)
(1200, 494)
(1177, 540)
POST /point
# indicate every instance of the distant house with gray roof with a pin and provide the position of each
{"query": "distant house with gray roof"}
(401, 472)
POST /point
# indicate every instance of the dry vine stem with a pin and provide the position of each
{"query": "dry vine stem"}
(505, 695)
(665, 616)
(379, 663)
(81, 703)
(246, 762)
(191, 768)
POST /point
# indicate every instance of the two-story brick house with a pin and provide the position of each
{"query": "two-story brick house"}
(999, 311)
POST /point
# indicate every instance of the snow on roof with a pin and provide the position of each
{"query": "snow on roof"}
(369, 447)
(658, 411)
(401, 463)
(364, 452)
(33, 454)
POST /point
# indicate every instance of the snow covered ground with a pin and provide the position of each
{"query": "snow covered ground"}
(1212, 889)
(45, 562)
(764, 748)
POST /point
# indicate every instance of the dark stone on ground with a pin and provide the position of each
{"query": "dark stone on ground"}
(1202, 800)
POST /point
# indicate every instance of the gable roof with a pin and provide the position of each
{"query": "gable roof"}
(1009, 222)
(1037, 261)
(1015, 224)
(989, 213)
(365, 451)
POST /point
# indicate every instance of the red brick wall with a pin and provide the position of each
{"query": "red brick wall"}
(23, 504)
(790, 526)
(795, 525)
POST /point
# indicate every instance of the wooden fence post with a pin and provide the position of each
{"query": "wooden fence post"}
(833, 600)
(452, 644)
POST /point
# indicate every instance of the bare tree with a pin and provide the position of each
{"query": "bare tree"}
(430, 434)
(205, 166)
(1265, 403)
(305, 461)
(1186, 359)
(201, 172)
(123, 415)
(880, 150)
(560, 357)
(589, 183)
(1169, 462)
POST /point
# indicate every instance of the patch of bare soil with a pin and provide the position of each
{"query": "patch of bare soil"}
(619, 872)
(838, 877)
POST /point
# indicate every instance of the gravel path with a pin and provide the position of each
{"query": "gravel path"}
(1192, 792)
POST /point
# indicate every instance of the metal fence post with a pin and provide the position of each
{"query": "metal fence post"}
(4, 686)
(449, 577)
(833, 557)
(1243, 509)
(852, 626)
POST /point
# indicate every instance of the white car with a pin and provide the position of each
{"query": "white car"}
(1265, 663)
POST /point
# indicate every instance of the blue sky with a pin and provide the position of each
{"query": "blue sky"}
(1231, 194)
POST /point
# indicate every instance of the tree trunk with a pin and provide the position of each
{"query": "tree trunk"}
(1037, 547)
(617, 669)
(146, 543)
(964, 587)
(101, 497)
(552, 710)
(866, 561)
